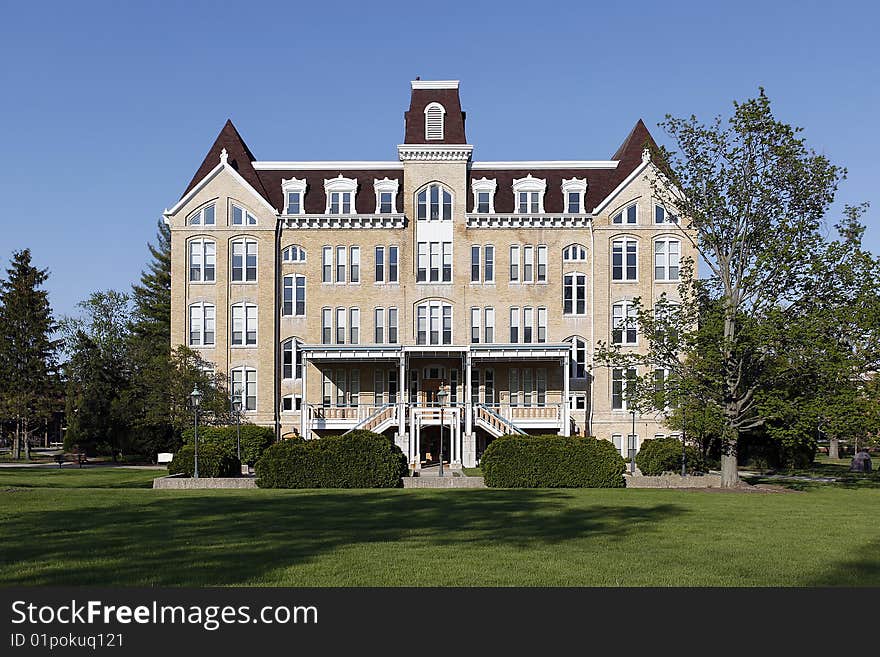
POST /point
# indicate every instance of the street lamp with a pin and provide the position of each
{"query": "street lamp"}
(442, 396)
(236, 408)
(196, 398)
(632, 446)
(683, 443)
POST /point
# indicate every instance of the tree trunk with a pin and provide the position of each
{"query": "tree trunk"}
(729, 464)
(27, 443)
(834, 448)
(16, 442)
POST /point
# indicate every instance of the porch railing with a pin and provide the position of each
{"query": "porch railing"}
(547, 412)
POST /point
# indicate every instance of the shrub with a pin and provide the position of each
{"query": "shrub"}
(361, 459)
(659, 455)
(254, 440)
(213, 462)
(552, 462)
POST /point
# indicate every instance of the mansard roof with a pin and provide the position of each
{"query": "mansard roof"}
(316, 197)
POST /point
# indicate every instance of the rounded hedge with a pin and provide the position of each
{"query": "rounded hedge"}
(360, 459)
(659, 455)
(552, 462)
(213, 462)
(254, 440)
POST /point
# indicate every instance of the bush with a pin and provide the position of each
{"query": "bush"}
(659, 455)
(254, 440)
(213, 462)
(552, 462)
(361, 459)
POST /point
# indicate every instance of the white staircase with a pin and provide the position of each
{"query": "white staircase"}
(379, 420)
(495, 424)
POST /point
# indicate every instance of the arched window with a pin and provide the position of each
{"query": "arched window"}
(434, 114)
(578, 358)
(293, 253)
(574, 253)
(623, 323)
(667, 259)
(293, 299)
(244, 325)
(629, 215)
(434, 203)
(241, 217)
(433, 322)
(202, 260)
(244, 387)
(340, 195)
(202, 217)
(574, 294)
(291, 359)
(244, 261)
(202, 322)
(624, 259)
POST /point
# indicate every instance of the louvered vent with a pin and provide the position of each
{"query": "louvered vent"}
(434, 121)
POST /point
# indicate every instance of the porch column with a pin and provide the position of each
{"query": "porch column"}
(304, 403)
(565, 412)
(401, 394)
(468, 404)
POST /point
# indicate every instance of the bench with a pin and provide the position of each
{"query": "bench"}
(76, 457)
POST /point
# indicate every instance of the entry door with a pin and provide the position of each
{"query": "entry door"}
(429, 390)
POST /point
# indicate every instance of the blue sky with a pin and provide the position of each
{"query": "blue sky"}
(107, 109)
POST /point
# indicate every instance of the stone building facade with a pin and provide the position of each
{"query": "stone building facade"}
(362, 294)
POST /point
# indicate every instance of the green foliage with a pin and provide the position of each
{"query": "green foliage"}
(254, 440)
(361, 459)
(214, 461)
(552, 462)
(660, 455)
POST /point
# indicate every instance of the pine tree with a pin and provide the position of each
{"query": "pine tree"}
(28, 391)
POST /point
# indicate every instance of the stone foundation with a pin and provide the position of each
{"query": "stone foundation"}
(673, 481)
(174, 482)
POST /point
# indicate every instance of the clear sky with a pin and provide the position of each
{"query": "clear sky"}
(108, 108)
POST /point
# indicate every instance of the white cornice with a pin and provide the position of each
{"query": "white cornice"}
(546, 164)
(342, 221)
(626, 181)
(324, 165)
(435, 84)
(541, 220)
(434, 153)
(224, 165)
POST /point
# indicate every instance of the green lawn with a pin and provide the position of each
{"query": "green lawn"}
(111, 532)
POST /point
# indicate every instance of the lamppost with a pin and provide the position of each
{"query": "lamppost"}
(632, 446)
(236, 408)
(683, 442)
(442, 396)
(196, 399)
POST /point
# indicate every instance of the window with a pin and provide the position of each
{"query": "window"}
(202, 260)
(386, 195)
(327, 388)
(293, 190)
(453, 387)
(483, 202)
(475, 386)
(326, 326)
(573, 203)
(484, 195)
(573, 191)
(290, 403)
(475, 264)
(433, 203)
(340, 194)
(528, 203)
(624, 260)
(578, 360)
(244, 324)
(340, 326)
(489, 326)
(434, 323)
(489, 263)
(489, 386)
(574, 294)
(392, 264)
(663, 217)
(422, 263)
(392, 325)
(202, 321)
(294, 202)
(340, 203)
(513, 383)
(627, 216)
(542, 264)
(541, 386)
(340, 264)
(528, 263)
(529, 194)
(447, 262)
(327, 264)
(392, 386)
(287, 350)
(287, 293)
(434, 249)
(475, 325)
(244, 387)
(385, 206)
(379, 325)
(514, 264)
(620, 392)
(434, 114)
(574, 253)
(241, 217)
(244, 261)
(623, 327)
(203, 217)
(514, 325)
(300, 297)
(355, 263)
(294, 253)
(528, 324)
(542, 325)
(666, 259)
(378, 387)
(380, 264)
(354, 326)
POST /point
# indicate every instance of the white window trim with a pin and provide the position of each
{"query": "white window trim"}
(244, 372)
(288, 249)
(200, 214)
(666, 215)
(233, 206)
(623, 212)
(244, 305)
(574, 245)
(484, 185)
(295, 186)
(341, 184)
(627, 306)
(667, 239)
(625, 238)
(577, 185)
(529, 184)
(202, 266)
(202, 306)
(245, 241)
(574, 295)
(386, 185)
(428, 108)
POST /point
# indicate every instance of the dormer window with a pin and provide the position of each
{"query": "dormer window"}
(573, 191)
(434, 115)
(241, 217)
(340, 195)
(203, 217)
(294, 191)
(434, 203)
(627, 216)
(529, 194)
(386, 195)
(484, 195)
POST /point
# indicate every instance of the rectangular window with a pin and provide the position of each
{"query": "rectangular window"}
(422, 325)
(453, 387)
(489, 386)
(513, 382)
(392, 386)
(378, 387)
(250, 273)
(327, 388)
(435, 324)
(528, 323)
(380, 264)
(617, 389)
(514, 264)
(287, 296)
(447, 324)
(195, 326)
(541, 386)
(392, 325)
(293, 202)
(475, 386)
(542, 264)
(340, 264)
(210, 261)
(435, 262)
(483, 202)
(326, 326)
(385, 203)
(244, 325)
(574, 202)
(354, 390)
(475, 264)
(542, 325)
(195, 260)
(475, 325)
(631, 214)
(631, 263)
(489, 325)
(327, 265)
(514, 325)
(250, 389)
(355, 263)
(210, 325)
(447, 262)
(619, 249)
(287, 360)
(354, 325)
(340, 387)
(489, 263)
(528, 263)
(379, 323)
(422, 270)
(392, 264)
(300, 310)
(340, 326)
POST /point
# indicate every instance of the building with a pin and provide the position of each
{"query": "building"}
(345, 294)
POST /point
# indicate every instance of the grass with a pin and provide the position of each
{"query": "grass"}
(91, 526)
(473, 472)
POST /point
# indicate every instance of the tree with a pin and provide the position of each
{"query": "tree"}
(188, 371)
(28, 387)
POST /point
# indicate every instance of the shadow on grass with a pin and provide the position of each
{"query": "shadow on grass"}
(195, 539)
(859, 569)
